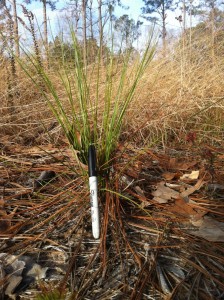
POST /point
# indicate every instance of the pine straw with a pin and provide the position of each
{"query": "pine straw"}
(145, 250)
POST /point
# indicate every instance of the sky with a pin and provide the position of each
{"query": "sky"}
(134, 12)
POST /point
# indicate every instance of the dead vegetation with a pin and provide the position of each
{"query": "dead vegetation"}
(161, 211)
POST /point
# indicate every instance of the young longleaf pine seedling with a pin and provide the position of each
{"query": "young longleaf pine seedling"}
(90, 112)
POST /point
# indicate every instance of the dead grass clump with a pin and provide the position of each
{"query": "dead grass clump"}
(179, 94)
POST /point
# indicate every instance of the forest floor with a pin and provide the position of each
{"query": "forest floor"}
(162, 224)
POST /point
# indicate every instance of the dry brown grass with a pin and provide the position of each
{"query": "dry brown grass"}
(179, 93)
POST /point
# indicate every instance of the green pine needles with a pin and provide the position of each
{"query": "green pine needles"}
(90, 101)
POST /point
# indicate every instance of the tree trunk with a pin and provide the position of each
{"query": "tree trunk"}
(164, 27)
(84, 33)
(16, 28)
(184, 16)
(184, 26)
(100, 28)
(191, 9)
(190, 33)
(91, 19)
(213, 31)
(45, 28)
(183, 56)
(77, 15)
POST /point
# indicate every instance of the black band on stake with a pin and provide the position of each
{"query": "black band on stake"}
(92, 161)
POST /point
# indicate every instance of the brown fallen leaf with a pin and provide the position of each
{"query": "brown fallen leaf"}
(177, 187)
(192, 189)
(191, 176)
(209, 229)
(178, 165)
(182, 208)
(163, 193)
(185, 208)
(184, 166)
(169, 175)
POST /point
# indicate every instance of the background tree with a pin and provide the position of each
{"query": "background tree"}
(15, 27)
(105, 14)
(211, 15)
(52, 5)
(2, 25)
(84, 3)
(10, 18)
(160, 8)
(61, 52)
(100, 27)
(91, 21)
(128, 30)
(73, 11)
